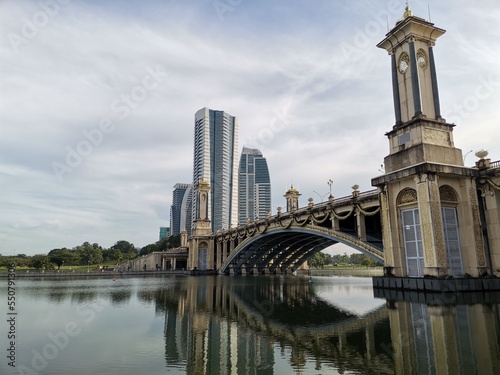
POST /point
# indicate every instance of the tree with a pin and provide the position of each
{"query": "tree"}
(112, 255)
(63, 256)
(89, 254)
(319, 260)
(126, 248)
(41, 261)
(148, 249)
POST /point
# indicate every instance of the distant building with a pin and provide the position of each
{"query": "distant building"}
(164, 232)
(254, 198)
(180, 211)
(216, 160)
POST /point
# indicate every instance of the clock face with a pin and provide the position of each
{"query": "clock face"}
(404, 63)
(403, 66)
(422, 59)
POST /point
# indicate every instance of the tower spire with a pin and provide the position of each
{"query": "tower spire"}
(407, 12)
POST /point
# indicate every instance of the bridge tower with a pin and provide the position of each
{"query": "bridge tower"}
(201, 247)
(429, 203)
(292, 199)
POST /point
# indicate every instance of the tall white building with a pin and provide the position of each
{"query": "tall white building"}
(216, 160)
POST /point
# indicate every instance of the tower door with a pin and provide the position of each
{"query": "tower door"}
(452, 240)
(412, 236)
(202, 258)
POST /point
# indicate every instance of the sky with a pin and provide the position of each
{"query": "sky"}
(97, 102)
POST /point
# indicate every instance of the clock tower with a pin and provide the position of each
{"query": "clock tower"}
(420, 133)
(428, 199)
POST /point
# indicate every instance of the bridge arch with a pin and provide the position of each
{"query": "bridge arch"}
(286, 249)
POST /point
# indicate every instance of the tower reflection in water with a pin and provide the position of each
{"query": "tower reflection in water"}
(445, 334)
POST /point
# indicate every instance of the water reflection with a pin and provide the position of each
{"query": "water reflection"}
(255, 325)
(445, 334)
(221, 326)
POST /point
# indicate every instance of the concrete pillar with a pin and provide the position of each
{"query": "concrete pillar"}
(391, 264)
(361, 226)
(492, 213)
(431, 224)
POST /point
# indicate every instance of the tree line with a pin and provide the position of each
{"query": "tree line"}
(320, 260)
(88, 254)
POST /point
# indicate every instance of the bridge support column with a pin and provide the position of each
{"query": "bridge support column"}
(361, 227)
(335, 223)
(225, 250)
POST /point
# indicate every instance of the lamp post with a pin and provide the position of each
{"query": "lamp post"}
(88, 266)
(330, 183)
(322, 197)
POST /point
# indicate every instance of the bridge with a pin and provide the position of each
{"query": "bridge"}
(279, 243)
(285, 241)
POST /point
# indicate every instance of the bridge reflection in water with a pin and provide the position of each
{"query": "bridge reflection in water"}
(220, 325)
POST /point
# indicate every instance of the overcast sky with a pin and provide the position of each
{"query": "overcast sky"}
(98, 98)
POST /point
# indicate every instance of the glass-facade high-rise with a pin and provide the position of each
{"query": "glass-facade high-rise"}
(180, 211)
(216, 160)
(254, 198)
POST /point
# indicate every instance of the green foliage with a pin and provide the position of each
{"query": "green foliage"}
(149, 249)
(358, 259)
(126, 248)
(90, 253)
(112, 255)
(319, 260)
(64, 256)
(41, 262)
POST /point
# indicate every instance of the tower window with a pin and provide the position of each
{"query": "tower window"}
(404, 138)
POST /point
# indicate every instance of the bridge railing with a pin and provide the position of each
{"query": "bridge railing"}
(318, 207)
(495, 164)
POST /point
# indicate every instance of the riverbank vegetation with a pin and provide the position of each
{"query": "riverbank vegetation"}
(86, 255)
(325, 261)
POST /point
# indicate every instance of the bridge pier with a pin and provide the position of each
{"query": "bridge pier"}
(361, 227)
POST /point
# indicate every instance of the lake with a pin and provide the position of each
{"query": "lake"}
(242, 325)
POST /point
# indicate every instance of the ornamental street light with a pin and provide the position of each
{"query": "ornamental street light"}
(330, 183)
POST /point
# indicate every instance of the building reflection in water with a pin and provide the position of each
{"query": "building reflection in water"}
(445, 334)
(235, 326)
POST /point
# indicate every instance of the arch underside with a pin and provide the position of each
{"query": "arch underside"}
(283, 250)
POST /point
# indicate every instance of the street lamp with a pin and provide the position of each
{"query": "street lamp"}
(88, 265)
(322, 197)
(330, 183)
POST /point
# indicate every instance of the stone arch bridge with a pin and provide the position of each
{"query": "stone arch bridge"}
(284, 242)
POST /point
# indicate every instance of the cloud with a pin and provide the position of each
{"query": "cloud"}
(306, 81)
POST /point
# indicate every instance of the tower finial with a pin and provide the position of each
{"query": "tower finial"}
(407, 12)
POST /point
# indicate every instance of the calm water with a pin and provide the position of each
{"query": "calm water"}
(242, 325)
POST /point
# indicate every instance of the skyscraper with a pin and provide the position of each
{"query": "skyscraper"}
(180, 211)
(216, 160)
(254, 198)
